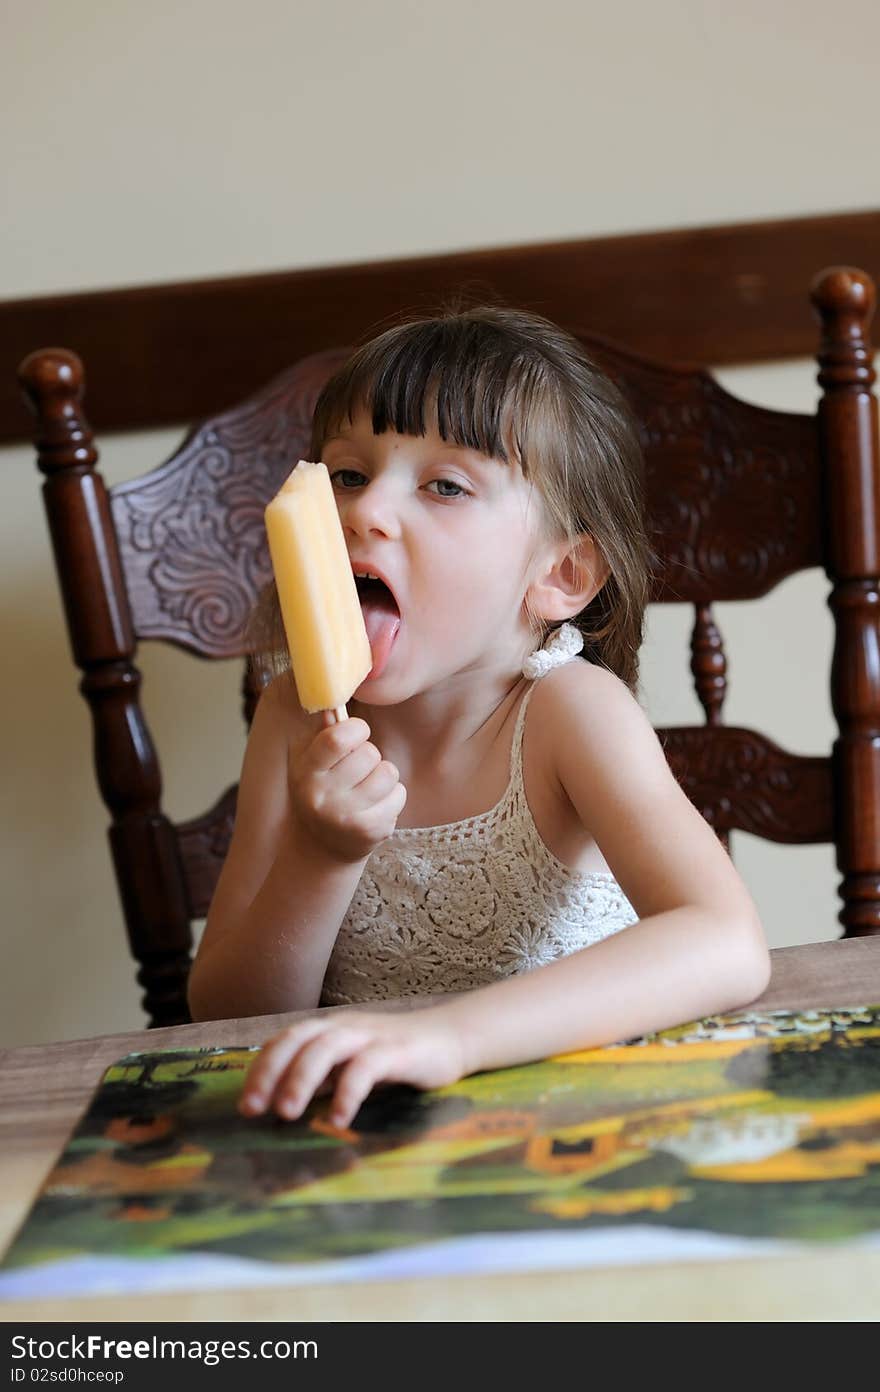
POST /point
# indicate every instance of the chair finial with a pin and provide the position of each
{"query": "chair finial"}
(843, 290)
(843, 298)
(53, 383)
(51, 372)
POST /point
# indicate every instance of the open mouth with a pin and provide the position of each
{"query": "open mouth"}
(381, 618)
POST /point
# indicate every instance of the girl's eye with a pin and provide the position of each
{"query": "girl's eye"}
(346, 478)
(443, 487)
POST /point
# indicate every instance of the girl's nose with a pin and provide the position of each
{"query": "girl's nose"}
(370, 509)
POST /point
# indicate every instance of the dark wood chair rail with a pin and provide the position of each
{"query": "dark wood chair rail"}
(171, 354)
(740, 497)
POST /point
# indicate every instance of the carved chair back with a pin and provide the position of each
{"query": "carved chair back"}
(739, 498)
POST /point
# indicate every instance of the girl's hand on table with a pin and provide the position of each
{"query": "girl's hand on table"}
(348, 1053)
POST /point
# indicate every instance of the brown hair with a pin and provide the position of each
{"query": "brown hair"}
(517, 388)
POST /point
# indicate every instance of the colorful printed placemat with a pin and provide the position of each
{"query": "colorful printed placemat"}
(736, 1135)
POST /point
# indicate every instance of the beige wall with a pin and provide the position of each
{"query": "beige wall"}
(143, 144)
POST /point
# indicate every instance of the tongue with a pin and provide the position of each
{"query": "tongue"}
(382, 620)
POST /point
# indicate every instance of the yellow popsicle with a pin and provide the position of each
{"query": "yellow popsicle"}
(329, 649)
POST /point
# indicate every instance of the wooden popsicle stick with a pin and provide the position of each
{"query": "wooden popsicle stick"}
(340, 713)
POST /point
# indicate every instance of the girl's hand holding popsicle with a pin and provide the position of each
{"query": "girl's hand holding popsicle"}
(345, 797)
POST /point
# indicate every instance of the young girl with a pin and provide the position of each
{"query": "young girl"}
(496, 811)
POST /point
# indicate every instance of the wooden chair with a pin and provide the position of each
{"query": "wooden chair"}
(740, 498)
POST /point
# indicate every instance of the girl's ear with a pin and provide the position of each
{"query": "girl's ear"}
(570, 578)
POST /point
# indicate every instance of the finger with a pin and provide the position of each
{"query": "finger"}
(333, 744)
(378, 820)
(375, 786)
(305, 1073)
(357, 1079)
(356, 766)
(263, 1075)
(329, 1084)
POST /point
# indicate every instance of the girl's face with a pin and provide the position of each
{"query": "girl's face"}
(454, 535)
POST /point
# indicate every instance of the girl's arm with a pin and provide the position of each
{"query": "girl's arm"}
(292, 868)
(697, 949)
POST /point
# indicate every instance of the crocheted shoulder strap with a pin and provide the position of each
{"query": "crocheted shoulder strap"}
(560, 647)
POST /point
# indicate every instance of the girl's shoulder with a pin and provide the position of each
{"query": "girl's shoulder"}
(586, 709)
(593, 691)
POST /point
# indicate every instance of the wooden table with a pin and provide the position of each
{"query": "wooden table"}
(44, 1089)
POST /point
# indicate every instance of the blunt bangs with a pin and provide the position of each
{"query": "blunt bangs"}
(476, 384)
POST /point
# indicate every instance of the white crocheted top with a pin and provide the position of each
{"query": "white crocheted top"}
(451, 907)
